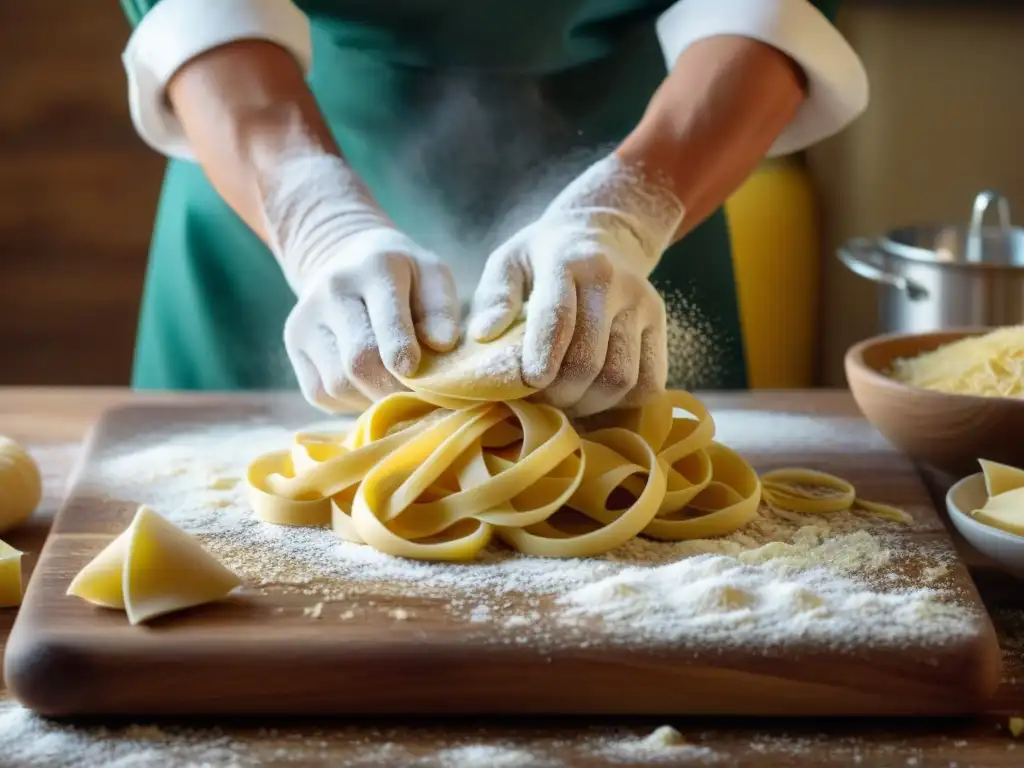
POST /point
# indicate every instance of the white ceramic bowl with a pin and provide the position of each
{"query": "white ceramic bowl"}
(1006, 549)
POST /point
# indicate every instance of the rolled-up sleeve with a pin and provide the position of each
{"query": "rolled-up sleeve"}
(837, 82)
(169, 33)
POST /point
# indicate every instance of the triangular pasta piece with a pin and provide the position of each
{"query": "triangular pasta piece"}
(1004, 511)
(1007, 500)
(10, 576)
(100, 581)
(167, 570)
(151, 569)
(1000, 478)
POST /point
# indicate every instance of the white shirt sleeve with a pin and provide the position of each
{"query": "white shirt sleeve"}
(176, 31)
(837, 81)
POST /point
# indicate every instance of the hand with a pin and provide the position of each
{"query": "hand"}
(595, 326)
(367, 294)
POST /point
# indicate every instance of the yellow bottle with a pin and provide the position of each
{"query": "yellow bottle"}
(773, 230)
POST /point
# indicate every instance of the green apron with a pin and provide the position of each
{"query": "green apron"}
(453, 112)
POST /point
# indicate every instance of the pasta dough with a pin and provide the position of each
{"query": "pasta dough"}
(1000, 478)
(1004, 508)
(151, 569)
(437, 472)
(991, 365)
(473, 372)
(10, 576)
(798, 490)
(21, 485)
(420, 481)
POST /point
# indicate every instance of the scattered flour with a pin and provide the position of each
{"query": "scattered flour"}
(934, 573)
(729, 602)
(28, 741)
(664, 745)
(833, 580)
(764, 431)
(493, 365)
(488, 756)
(695, 345)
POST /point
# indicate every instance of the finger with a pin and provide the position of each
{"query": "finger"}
(351, 358)
(498, 300)
(387, 302)
(322, 378)
(621, 371)
(653, 371)
(587, 350)
(435, 307)
(296, 337)
(550, 322)
(309, 381)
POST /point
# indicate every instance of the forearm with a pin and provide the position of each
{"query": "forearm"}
(242, 107)
(714, 118)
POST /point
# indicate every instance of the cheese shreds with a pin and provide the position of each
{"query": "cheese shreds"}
(991, 365)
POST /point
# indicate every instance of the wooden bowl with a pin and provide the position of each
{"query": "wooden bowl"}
(948, 432)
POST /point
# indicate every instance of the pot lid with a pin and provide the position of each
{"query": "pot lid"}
(979, 244)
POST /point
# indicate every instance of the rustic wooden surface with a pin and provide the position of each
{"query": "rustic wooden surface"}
(52, 423)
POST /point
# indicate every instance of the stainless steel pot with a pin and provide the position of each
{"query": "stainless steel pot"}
(937, 277)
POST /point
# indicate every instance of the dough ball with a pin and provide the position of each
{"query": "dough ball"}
(21, 485)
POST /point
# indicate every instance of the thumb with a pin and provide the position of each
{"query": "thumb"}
(498, 300)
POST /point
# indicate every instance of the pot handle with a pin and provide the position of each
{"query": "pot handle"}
(860, 256)
(975, 246)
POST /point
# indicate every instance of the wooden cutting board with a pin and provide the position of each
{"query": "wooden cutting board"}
(260, 652)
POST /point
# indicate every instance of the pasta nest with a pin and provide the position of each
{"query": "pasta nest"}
(438, 472)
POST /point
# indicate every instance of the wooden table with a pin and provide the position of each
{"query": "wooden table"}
(52, 422)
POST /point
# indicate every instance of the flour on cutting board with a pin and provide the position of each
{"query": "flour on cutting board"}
(834, 580)
(766, 431)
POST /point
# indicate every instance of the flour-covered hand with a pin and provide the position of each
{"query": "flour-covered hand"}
(595, 326)
(368, 295)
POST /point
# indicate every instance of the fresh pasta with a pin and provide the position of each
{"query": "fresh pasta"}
(420, 481)
(10, 576)
(438, 472)
(1004, 507)
(153, 568)
(799, 490)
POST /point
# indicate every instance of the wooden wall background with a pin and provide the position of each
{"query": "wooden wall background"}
(78, 192)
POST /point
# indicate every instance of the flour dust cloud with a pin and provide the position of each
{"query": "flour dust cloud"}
(484, 157)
